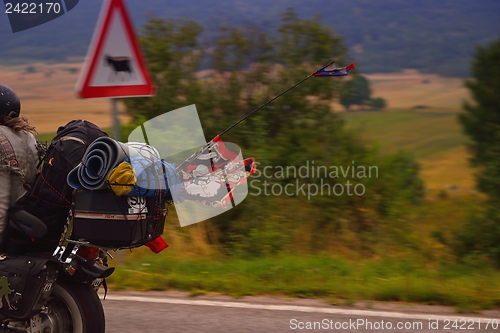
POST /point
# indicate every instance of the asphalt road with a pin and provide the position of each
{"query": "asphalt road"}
(170, 312)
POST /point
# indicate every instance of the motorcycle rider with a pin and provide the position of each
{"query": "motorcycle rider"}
(18, 153)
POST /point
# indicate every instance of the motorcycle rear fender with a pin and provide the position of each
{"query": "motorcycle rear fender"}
(86, 271)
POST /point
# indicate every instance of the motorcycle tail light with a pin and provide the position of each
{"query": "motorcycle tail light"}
(88, 253)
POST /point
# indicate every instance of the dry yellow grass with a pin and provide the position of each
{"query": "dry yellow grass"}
(449, 171)
(410, 88)
(49, 100)
(48, 97)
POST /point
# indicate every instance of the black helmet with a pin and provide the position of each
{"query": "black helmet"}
(9, 103)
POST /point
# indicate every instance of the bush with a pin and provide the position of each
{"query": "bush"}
(377, 103)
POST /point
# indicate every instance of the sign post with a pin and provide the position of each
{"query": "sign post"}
(114, 66)
(115, 119)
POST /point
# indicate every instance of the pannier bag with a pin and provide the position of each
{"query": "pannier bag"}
(25, 285)
(104, 219)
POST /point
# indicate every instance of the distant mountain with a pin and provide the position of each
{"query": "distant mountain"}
(382, 36)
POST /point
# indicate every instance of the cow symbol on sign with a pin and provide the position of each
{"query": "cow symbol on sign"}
(118, 65)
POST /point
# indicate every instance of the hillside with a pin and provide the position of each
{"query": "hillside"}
(429, 131)
(383, 37)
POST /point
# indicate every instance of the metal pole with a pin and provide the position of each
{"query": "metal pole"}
(115, 120)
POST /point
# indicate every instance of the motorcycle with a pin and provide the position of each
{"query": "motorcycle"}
(51, 287)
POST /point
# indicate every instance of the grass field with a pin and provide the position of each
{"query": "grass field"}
(433, 136)
(432, 133)
(49, 99)
(410, 88)
(48, 96)
(424, 133)
(338, 280)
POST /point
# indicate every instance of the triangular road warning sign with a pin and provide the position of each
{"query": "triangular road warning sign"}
(114, 66)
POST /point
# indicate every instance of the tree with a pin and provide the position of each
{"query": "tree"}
(481, 119)
(244, 68)
(355, 92)
(377, 103)
(174, 56)
(481, 122)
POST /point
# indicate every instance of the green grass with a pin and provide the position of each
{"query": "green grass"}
(46, 137)
(412, 262)
(423, 133)
(338, 280)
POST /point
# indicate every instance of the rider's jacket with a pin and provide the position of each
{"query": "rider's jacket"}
(18, 153)
(18, 166)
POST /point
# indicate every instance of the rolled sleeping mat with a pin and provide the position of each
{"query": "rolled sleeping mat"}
(99, 159)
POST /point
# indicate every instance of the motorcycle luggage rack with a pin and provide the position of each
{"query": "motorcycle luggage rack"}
(67, 248)
(67, 254)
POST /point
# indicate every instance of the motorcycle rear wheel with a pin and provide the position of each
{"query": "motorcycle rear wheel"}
(73, 308)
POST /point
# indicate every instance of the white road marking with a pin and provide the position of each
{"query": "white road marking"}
(309, 309)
